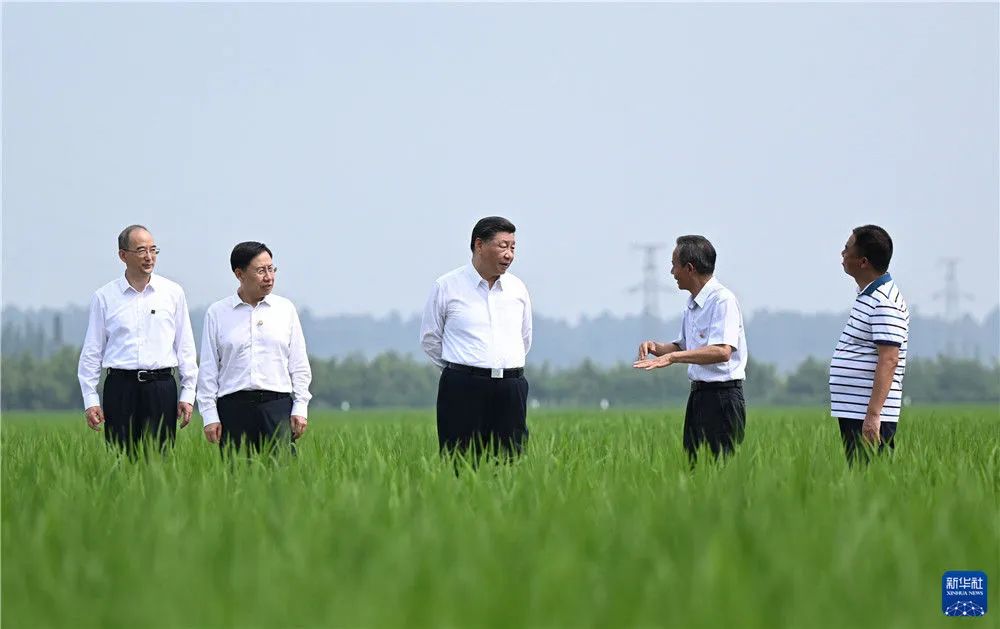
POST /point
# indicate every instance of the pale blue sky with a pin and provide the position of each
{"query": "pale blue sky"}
(362, 143)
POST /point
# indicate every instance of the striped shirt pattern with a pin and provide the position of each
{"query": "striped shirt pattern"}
(879, 317)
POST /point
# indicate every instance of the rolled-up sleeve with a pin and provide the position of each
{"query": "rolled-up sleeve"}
(298, 368)
(432, 326)
(208, 372)
(92, 353)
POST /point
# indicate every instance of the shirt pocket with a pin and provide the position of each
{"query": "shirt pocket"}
(160, 309)
(274, 333)
(160, 319)
(701, 335)
(511, 312)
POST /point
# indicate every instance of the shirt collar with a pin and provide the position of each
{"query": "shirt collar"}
(871, 288)
(706, 291)
(123, 284)
(477, 279)
(235, 301)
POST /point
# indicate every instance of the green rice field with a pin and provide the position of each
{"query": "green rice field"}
(600, 524)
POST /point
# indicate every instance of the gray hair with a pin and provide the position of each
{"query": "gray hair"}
(124, 238)
(698, 252)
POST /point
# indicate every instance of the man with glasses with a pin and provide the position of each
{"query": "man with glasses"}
(253, 391)
(139, 330)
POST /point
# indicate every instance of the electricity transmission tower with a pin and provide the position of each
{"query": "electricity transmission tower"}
(651, 286)
(953, 298)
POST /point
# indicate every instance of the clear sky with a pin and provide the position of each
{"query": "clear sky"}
(362, 143)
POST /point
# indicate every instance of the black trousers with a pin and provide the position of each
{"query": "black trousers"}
(139, 411)
(477, 414)
(855, 446)
(253, 421)
(716, 415)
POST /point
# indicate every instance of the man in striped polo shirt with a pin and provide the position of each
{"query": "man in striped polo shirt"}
(866, 373)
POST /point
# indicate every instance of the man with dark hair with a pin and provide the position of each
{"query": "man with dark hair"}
(477, 328)
(254, 386)
(139, 330)
(713, 344)
(866, 372)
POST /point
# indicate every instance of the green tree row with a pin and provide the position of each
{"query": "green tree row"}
(393, 380)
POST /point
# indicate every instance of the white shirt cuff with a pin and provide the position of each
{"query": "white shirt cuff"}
(91, 399)
(300, 408)
(187, 395)
(209, 416)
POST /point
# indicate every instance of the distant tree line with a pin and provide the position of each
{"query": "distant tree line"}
(778, 338)
(394, 380)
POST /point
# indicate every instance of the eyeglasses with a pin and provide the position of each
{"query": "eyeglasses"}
(264, 270)
(142, 251)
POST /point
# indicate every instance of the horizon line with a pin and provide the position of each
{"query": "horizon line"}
(394, 313)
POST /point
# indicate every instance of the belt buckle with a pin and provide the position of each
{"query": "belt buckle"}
(138, 375)
(496, 373)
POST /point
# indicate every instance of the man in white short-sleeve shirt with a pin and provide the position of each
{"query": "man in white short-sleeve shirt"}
(713, 344)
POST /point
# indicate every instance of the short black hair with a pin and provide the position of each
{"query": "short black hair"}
(489, 227)
(245, 252)
(874, 243)
(698, 252)
(125, 237)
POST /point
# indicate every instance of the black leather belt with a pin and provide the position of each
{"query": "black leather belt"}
(144, 375)
(516, 372)
(255, 396)
(697, 385)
